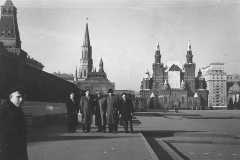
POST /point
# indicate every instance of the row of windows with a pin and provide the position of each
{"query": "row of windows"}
(9, 11)
(9, 33)
(218, 83)
(219, 77)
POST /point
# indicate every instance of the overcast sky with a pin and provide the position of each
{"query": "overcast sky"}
(125, 33)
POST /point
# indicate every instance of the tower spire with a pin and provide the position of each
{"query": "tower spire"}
(158, 47)
(189, 55)
(8, 3)
(75, 75)
(86, 40)
(101, 66)
(157, 54)
(86, 62)
(189, 45)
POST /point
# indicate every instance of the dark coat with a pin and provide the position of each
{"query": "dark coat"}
(112, 108)
(13, 132)
(86, 109)
(100, 112)
(126, 108)
(72, 112)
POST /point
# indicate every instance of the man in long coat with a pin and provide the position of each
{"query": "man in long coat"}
(87, 110)
(72, 113)
(112, 108)
(13, 128)
(126, 112)
(100, 113)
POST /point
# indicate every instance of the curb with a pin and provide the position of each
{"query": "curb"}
(203, 135)
(194, 117)
(171, 152)
(152, 154)
(203, 142)
(148, 147)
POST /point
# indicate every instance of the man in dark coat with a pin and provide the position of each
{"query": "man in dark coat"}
(100, 113)
(72, 113)
(126, 112)
(13, 128)
(87, 110)
(112, 108)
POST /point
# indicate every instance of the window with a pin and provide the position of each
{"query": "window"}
(3, 33)
(190, 103)
(165, 100)
(9, 33)
(183, 100)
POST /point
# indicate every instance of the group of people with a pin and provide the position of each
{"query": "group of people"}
(108, 111)
(13, 128)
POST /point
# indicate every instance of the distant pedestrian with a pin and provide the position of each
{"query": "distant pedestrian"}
(100, 113)
(72, 113)
(13, 128)
(87, 110)
(126, 112)
(112, 108)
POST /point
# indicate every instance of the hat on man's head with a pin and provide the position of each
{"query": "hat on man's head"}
(72, 91)
(110, 91)
(87, 90)
(21, 90)
(124, 94)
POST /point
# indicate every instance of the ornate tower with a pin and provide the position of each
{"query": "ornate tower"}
(86, 62)
(9, 27)
(157, 54)
(189, 75)
(158, 71)
(101, 66)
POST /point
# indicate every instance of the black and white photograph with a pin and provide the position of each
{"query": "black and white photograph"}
(119, 79)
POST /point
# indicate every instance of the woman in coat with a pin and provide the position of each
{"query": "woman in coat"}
(87, 110)
(100, 113)
(126, 112)
(72, 113)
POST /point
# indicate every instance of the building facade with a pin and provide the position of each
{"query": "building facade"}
(216, 80)
(87, 77)
(173, 85)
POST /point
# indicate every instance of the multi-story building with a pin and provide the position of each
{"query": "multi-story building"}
(216, 80)
(174, 85)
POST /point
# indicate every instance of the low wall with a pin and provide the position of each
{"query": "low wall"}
(38, 113)
(42, 108)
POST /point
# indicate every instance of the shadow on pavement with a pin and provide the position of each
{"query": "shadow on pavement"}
(58, 132)
(164, 133)
(146, 114)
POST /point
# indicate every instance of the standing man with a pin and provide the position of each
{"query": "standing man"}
(87, 110)
(100, 113)
(112, 111)
(126, 112)
(72, 113)
(13, 128)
